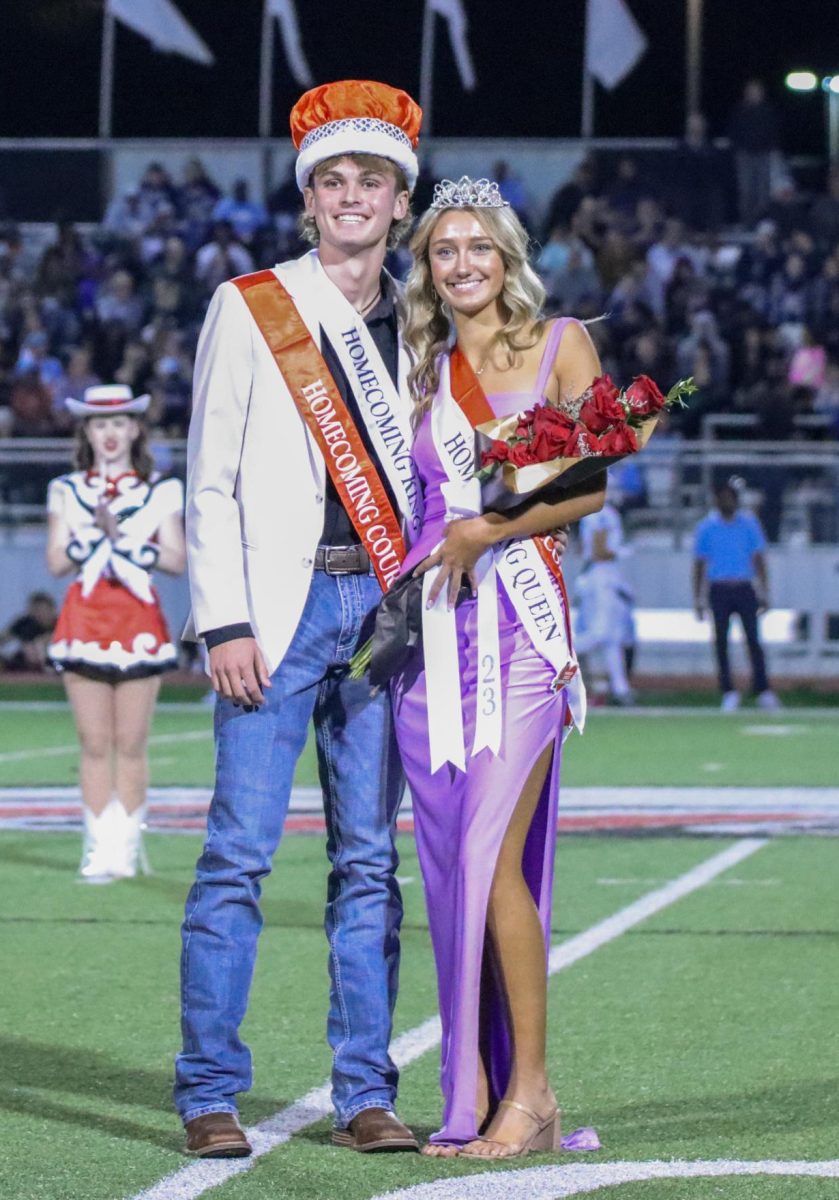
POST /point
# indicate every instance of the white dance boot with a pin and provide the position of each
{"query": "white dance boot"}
(97, 844)
(113, 844)
(127, 850)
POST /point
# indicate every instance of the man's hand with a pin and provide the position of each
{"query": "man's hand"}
(238, 671)
(464, 543)
(699, 609)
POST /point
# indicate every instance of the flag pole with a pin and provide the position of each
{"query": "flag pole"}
(427, 67)
(693, 95)
(266, 71)
(587, 123)
(587, 117)
(106, 74)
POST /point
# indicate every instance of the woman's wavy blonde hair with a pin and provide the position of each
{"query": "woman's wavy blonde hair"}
(427, 320)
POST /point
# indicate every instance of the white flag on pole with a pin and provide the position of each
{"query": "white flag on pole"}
(614, 41)
(455, 15)
(163, 25)
(286, 14)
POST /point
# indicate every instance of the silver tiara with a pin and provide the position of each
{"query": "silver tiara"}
(468, 193)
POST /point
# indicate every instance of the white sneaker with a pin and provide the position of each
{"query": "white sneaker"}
(769, 701)
(730, 702)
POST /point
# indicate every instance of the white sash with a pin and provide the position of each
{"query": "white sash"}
(520, 566)
(386, 417)
(455, 449)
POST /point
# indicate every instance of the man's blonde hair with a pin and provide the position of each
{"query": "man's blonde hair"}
(367, 162)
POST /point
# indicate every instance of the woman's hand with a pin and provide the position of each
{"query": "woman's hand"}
(464, 543)
(107, 522)
(561, 536)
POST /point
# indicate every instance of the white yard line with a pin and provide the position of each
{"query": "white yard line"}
(586, 943)
(577, 1179)
(192, 1181)
(158, 739)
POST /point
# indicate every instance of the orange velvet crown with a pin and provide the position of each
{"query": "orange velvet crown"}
(355, 116)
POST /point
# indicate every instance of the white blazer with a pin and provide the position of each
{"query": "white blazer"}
(255, 476)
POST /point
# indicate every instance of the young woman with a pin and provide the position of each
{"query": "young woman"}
(486, 818)
(112, 521)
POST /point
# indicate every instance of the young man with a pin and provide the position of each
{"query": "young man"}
(729, 554)
(301, 496)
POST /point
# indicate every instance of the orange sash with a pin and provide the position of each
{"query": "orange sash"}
(467, 391)
(322, 407)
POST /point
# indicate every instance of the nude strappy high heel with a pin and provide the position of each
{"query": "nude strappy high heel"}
(546, 1136)
(482, 1118)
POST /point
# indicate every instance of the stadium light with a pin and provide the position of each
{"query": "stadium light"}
(801, 81)
(808, 81)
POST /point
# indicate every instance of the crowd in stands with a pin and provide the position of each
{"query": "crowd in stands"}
(24, 641)
(693, 279)
(124, 303)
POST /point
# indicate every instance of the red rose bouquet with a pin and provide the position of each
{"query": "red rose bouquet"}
(543, 451)
(563, 444)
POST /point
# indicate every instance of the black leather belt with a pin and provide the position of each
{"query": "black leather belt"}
(342, 560)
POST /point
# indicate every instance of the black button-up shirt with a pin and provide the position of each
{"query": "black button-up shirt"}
(338, 529)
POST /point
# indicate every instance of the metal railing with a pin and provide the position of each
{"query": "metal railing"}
(678, 476)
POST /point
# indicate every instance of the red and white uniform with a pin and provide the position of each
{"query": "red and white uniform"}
(111, 625)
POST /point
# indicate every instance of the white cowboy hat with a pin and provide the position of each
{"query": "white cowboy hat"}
(107, 400)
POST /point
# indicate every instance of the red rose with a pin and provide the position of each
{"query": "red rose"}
(602, 407)
(546, 417)
(620, 440)
(498, 452)
(521, 455)
(644, 397)
(582, 443)
(551, 431)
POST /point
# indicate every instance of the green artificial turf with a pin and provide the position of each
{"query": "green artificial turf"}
(706, 1032)
(728, 1188)
(790, 749)
(797, 695)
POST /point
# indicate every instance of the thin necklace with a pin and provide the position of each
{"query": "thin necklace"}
(485, 360)
(362, 312)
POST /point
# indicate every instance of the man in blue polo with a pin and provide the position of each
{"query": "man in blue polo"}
(729, 568)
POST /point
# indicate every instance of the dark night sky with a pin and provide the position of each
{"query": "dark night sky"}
(528, 67)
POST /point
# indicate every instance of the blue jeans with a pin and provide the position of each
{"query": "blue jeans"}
(361, 778)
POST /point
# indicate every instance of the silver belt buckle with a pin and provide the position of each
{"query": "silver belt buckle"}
(342, 560)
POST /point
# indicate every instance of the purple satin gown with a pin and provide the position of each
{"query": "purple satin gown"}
(461, 818)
